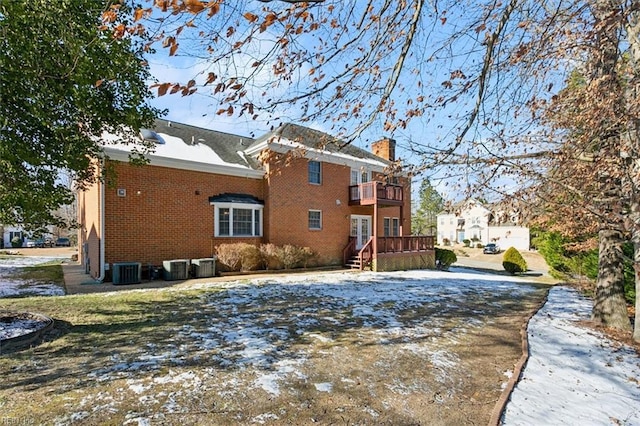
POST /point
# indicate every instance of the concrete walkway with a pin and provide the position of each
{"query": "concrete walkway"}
(78, 282)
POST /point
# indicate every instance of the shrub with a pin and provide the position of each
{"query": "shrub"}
(513, 262)
(292, 256)
(466, 242)
(479, 245)
(16, 242)
(270, 254)
(445, 258)
(239, 257)
(446, 242)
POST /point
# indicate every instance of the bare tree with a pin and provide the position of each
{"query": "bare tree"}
(471, 89)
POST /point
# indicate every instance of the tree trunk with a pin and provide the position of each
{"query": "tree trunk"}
(632, 28)
(609, 306)
(636, 259)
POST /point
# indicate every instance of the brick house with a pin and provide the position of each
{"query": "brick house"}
(202, 188)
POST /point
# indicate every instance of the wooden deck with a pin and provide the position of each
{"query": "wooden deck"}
(371, 193)
(415, 244)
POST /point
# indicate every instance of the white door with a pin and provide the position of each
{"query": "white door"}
(360, 229)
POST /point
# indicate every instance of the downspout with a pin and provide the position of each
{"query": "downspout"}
(102, 207)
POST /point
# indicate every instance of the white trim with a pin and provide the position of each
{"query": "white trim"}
(360, 240)
(316, 211)
(231, 206)
(116, 154)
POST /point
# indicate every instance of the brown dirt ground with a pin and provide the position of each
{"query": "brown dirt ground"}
(458, 381)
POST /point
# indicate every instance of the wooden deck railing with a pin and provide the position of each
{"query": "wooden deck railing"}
(376, 192)
(366, 253)
(408, 244)
(349, 250)
(412, 243)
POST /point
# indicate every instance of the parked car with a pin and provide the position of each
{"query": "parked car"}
(45, 242)
(63, 242)
(491, 248)
(30, 244)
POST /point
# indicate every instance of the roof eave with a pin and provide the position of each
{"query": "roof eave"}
(284, 145)
(154, 160)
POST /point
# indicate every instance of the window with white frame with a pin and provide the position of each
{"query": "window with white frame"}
(315, 172)
(391, 226)
(395, 226)
(238, 220)
(315, 220)
(359, 176)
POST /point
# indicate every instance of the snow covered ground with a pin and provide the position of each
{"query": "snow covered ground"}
(574, 374)
(10, 287)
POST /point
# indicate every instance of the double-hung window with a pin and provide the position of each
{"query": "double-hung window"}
(315, 172)
(359, 176)
(395, 226)
(238, 220)
(391, 227)
(315, 220)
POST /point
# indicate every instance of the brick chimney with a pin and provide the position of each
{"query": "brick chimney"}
(385, 148)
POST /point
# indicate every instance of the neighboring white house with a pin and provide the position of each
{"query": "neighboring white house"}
(472, 220)
(9, 233)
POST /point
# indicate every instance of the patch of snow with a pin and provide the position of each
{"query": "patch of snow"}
(139, 421)
(174, 148)
(264, 418)
(323, 387)
(370, 411)
(19, 327)
(10, 287)
(320, 337)
(574, 375)
(269, 382)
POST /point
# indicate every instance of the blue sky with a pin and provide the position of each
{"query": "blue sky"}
(435, 128)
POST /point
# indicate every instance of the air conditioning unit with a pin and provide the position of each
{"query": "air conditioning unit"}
(203, 268)
(176, 269)
(126, 273)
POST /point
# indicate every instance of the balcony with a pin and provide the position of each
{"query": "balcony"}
(372, 193)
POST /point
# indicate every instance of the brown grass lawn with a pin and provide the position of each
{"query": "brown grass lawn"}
(398, 349)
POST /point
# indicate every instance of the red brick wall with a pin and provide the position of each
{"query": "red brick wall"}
(89, 230)
(166, 213)
(291, 196)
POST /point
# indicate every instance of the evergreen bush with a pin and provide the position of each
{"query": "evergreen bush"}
(16, 242)
(513, 262)
(445, 258)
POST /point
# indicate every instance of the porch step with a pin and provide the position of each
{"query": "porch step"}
(354, 263)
